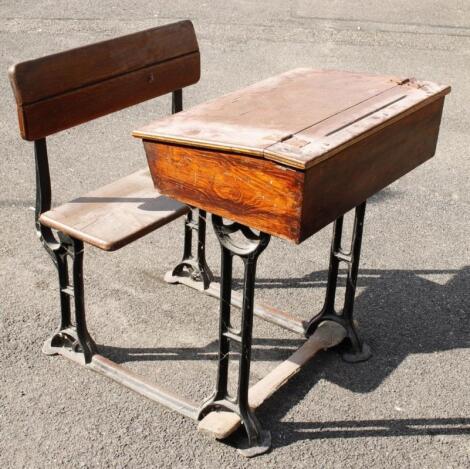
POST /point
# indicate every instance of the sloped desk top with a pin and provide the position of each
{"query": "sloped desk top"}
(290, 154)
(297, 118)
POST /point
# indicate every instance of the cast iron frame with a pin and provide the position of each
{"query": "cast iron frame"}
(259, 440)
(74, 341)
(355, 349)
(194, 269)
(358, 350)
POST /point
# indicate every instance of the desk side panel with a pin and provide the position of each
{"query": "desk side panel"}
(252, 191)
(345, 180)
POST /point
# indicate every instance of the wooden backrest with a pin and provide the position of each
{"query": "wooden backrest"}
(59, 91)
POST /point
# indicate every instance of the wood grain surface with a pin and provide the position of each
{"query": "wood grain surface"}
(298, 118)
(62, 90)
(256, 192)
(116, 214)
(289, 203)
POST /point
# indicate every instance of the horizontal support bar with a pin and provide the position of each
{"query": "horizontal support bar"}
(232, 336)
(268, 313)
(68, 291)
(129, 379)
(341, 256)
(222, 424)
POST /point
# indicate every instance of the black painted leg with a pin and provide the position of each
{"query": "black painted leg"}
(194, 268)
(60, 250)
(63, 271)
(85, 342)
(358, 350)
(259, 440)
(75, 336)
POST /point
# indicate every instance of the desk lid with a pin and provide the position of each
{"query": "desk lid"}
(297, 118)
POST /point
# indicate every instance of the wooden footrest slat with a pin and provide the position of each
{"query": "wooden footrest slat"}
(222, 424)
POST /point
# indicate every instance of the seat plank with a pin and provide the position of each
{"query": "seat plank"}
(116, 214)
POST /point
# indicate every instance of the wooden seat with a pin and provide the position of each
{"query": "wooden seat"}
(115, 214)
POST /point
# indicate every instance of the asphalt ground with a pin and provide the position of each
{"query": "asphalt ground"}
(408, 406)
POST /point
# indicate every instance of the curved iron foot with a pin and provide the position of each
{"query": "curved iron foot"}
(355, 350)
(361, 355)
(259, 448)
(68, 338)
(258, 439)
(194, 270)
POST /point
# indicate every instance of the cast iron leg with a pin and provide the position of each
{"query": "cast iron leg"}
(358, 350)
(60, 250)
(259, 440)
(75, 336)
(63, 271)
(196, 268)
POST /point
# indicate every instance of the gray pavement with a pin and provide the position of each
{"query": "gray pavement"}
(409, 406)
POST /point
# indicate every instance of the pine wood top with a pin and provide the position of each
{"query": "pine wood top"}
(298, 118)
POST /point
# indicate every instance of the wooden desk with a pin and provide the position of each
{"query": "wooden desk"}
(287, 156)
(290, 154)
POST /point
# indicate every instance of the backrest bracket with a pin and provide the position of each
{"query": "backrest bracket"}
(43, 198)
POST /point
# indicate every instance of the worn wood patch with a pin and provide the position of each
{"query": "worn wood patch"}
(222, 424)
(297, 118)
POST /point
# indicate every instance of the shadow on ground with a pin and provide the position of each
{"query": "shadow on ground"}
(401, 313)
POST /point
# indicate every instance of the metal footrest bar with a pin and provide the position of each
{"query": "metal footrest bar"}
(261, 310)
(219, 424)
(127, 378)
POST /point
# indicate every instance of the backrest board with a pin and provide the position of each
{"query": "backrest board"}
(62, 90)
